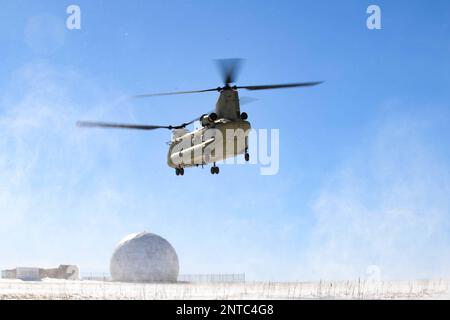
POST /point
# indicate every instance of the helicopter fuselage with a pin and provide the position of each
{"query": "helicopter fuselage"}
(213, 143)
(219, 138)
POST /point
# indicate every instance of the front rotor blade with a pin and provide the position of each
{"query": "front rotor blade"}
(89, 124)
(280, 86)
(173, 93)
(243, 100)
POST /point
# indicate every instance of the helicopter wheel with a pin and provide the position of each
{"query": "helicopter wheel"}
(247, 157)
(215, 170)
(182, 171)
(177, 171)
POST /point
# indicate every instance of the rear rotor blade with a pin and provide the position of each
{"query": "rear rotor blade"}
(187, 123)
(229, 69)
(280, 86)
(89, 124)
(173, 93)
(95, 124)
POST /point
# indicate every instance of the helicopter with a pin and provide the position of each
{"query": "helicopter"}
(212, 141)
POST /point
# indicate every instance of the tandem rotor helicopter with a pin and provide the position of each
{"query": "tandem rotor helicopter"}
(227, 116)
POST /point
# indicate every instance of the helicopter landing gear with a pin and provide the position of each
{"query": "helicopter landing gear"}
(214, 169)
(179, 171)
(247, 156)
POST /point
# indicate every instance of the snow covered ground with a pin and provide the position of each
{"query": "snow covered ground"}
(62, 289)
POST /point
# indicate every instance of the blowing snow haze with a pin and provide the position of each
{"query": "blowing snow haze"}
(364, 162)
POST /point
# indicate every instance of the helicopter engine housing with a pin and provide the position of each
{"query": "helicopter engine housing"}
(208, 119)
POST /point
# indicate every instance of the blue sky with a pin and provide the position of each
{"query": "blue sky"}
(364, 158)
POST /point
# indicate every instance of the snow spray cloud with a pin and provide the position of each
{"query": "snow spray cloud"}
(45, 204)
(387, 210)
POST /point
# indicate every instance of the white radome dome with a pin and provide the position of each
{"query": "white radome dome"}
(144, 257)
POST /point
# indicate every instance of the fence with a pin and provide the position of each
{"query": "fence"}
(96, 276)
(195, 278)
(238, 277)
